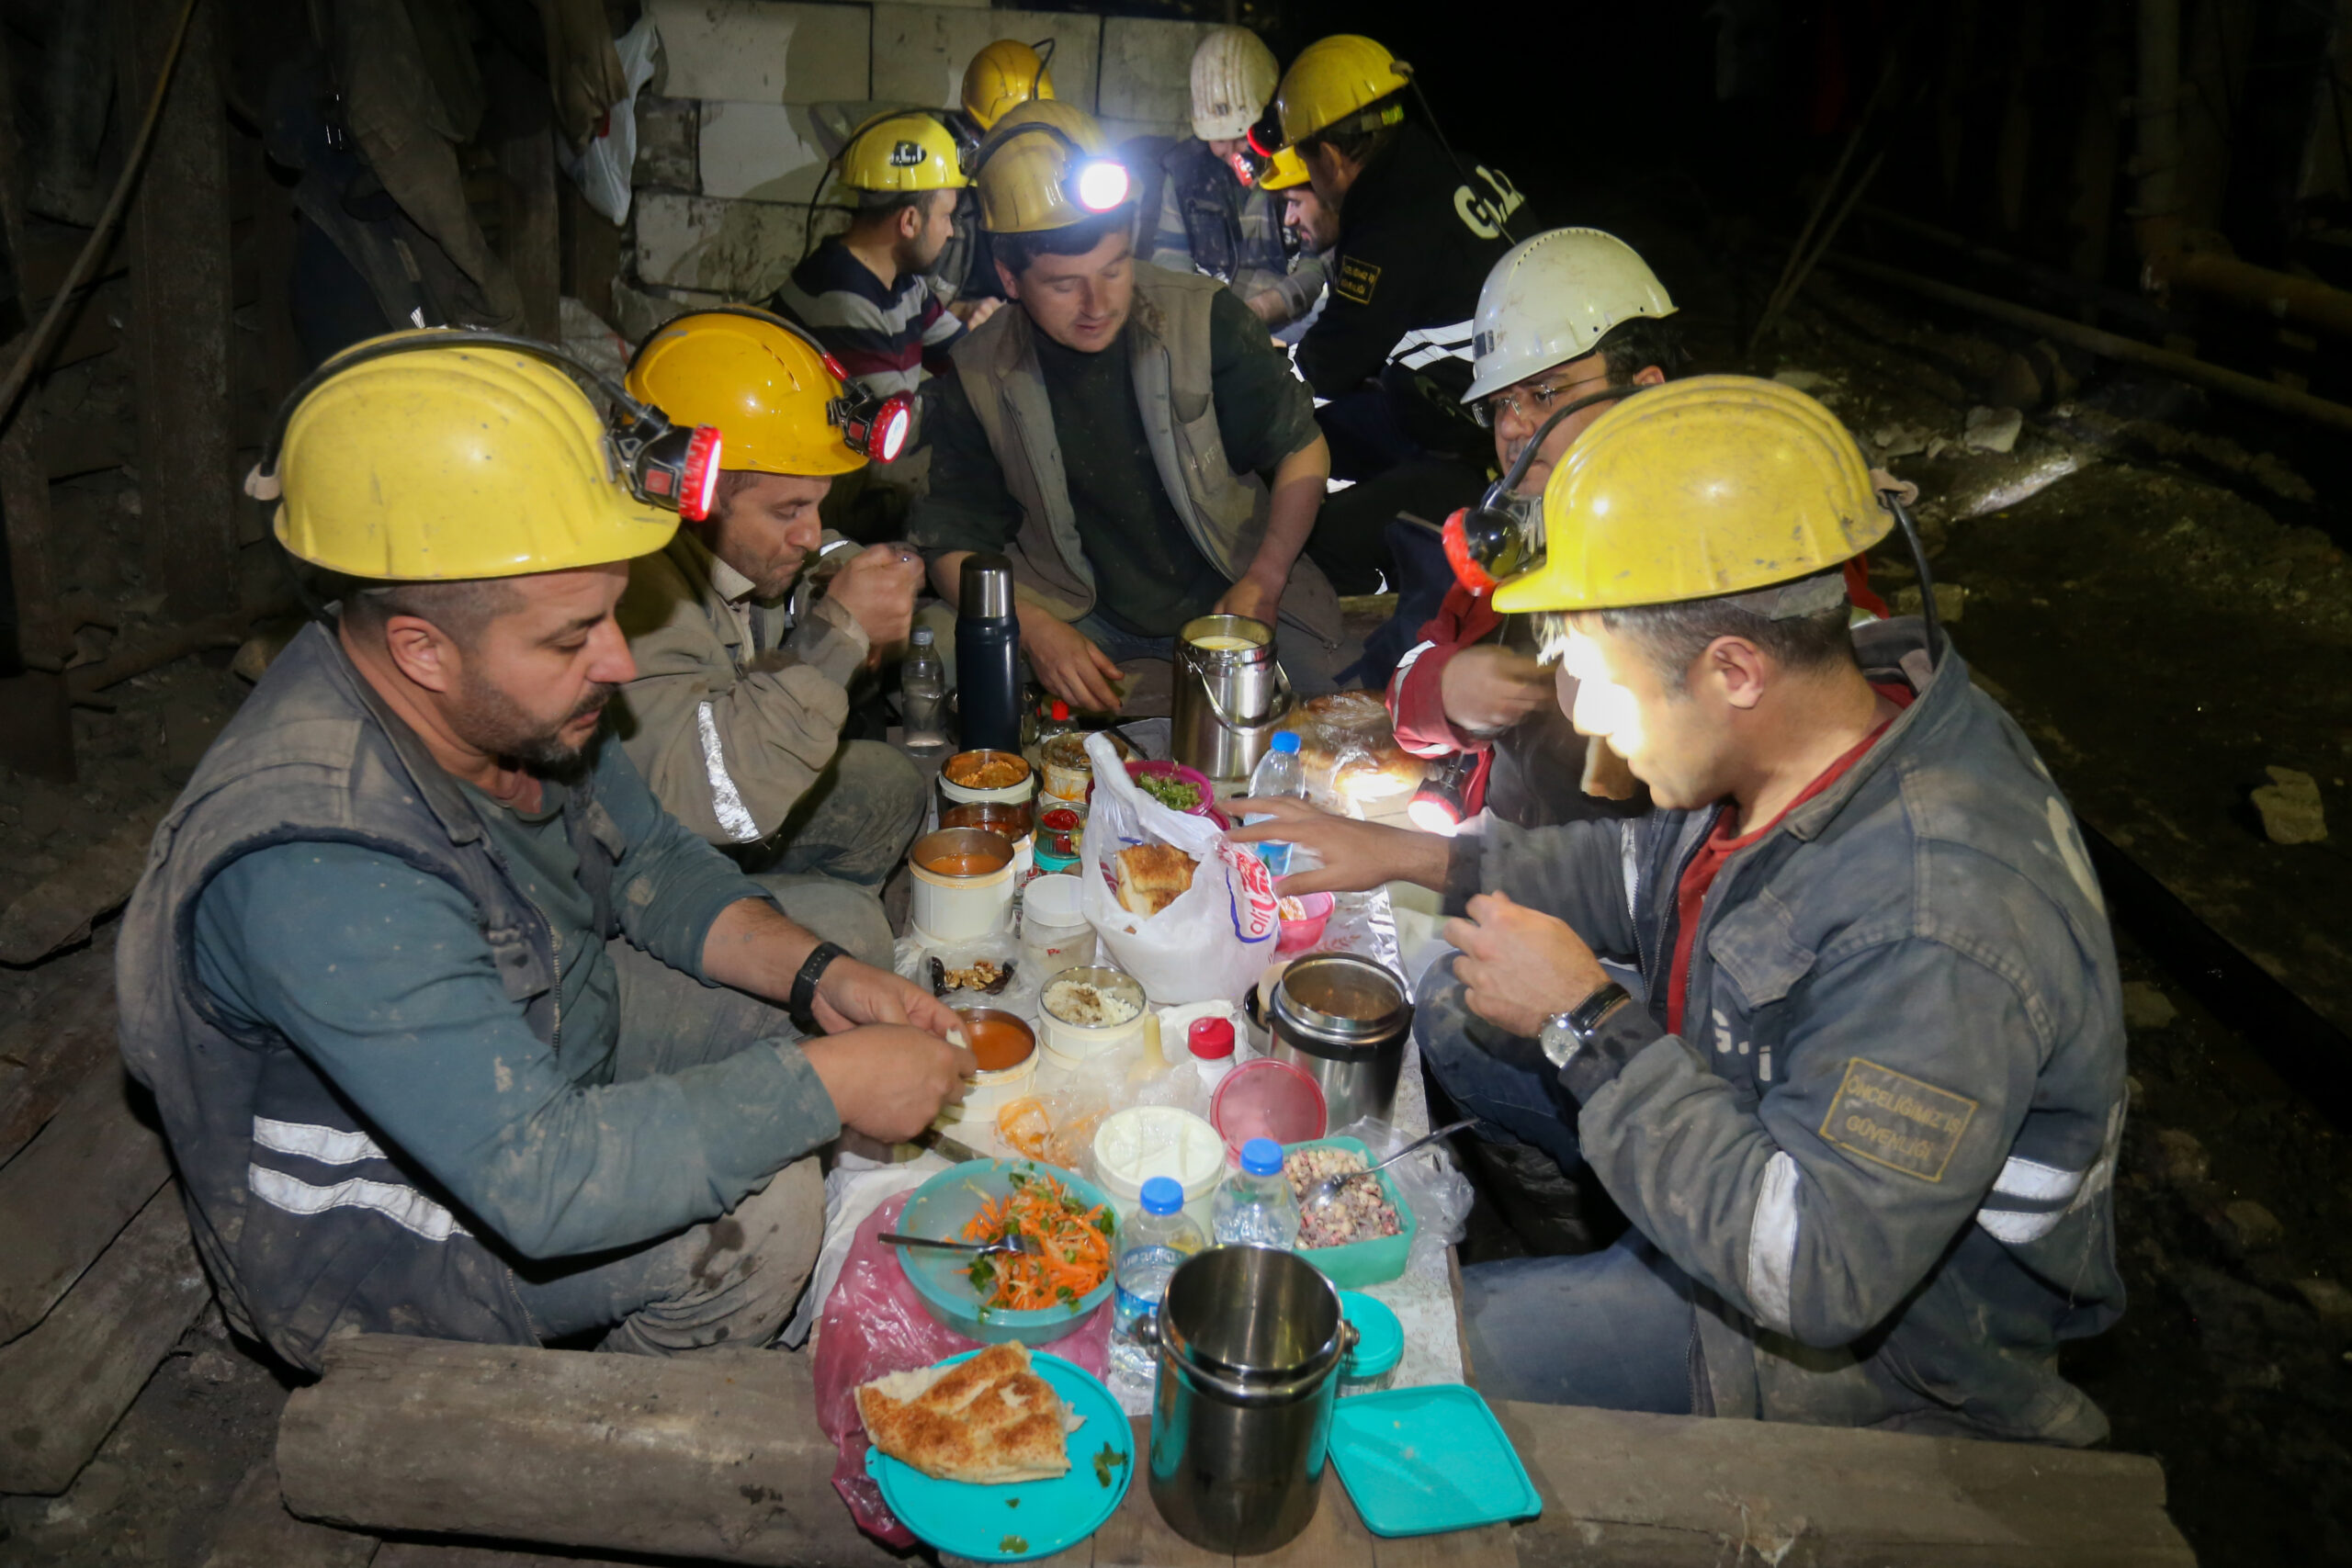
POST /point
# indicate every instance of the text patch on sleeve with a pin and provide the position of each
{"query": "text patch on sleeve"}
(1893, 1119)
(1356, 281)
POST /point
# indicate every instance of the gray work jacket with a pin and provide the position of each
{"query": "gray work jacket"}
(1883, 1148)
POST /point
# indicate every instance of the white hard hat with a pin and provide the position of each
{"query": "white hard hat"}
(1550, 299)
(1234, 77)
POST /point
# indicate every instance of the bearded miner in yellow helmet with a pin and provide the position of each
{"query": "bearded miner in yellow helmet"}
(1215, 214)
(1127, 436)
(742, 685)
(1857, 1078)
(453, 1030)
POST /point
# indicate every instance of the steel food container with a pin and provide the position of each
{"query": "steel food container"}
(1230, 694)
(1251, 1345)
(1341, 1020)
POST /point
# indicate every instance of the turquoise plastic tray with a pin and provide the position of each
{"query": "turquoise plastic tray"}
(1028, 1518)
(941, 1208)
(1417, 1461)
(1364, 1262)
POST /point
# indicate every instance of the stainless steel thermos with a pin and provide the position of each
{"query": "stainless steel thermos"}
(1230, 696)
(988, 657)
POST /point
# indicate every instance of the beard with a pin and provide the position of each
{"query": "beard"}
(488, 718)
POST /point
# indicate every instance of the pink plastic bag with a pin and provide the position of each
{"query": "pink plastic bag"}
(875, 1324)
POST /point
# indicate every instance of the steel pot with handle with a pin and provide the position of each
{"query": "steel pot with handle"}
(1341, 1020)
(1252, 1342)
(1230, 694)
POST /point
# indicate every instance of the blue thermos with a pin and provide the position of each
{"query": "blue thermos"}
(988, 657)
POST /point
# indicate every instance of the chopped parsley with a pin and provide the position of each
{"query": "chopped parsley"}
(1107, 1461)
(1012, 1543)
(1013, 1502)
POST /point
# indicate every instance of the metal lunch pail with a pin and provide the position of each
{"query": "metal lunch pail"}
(1251, 1341)
(1228, 699)
(1341, 1018)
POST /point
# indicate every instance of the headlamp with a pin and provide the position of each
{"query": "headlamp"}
(1441, 802)
(1488, 544)
(674, 467)
(1099, 184)
(874, 427)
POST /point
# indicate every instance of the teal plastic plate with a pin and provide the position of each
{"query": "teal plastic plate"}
(941, 1207)
(1026, 1518)
(1417, 1461)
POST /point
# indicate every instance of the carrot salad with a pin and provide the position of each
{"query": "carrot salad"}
(1075, 1240)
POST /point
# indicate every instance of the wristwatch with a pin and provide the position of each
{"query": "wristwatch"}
(812, 969)
(1566, 1033)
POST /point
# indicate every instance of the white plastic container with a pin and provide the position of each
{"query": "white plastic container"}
(1069, 1044)
(1054, 931)
(1144, 1141)
(985, 1093)
(974, 898)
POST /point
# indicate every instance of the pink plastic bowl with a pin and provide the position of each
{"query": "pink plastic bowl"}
(1307, 929)
(1200, 780)
(1266, 1098)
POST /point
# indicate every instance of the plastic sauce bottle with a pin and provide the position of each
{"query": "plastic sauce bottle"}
(1256, 1207)
(1152, 1246)
(1279, 773)
(922, 693)
(1210, 1040)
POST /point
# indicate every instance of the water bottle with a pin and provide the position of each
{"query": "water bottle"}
(1279, 772)
(1256, 1207)
(922, 693)
(1160, 1236)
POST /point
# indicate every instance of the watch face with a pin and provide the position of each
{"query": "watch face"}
(1558, 1040)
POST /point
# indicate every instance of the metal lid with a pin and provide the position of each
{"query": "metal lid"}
(1259, 1325)
(1341, 999)
(984, 587)
(1255, 635)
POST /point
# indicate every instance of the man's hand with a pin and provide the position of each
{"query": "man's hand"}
(1520, 966)
(887, 1080)
(1356, 856)
(1067, 663)
(1485, 688)
(1253, 597)
(972, 312)
(877, 588)
(850, 994)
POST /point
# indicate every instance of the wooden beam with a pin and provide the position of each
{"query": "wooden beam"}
(531, 229)
(1667, 1490)
(591, 252)
(257, 1532)
(177, 247)
(65, 1199)
(59, 908)
(67, 1033)
(69, 1381)
(714, 1456)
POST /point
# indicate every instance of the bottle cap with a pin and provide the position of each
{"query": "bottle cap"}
(1262, 1157)
(1061, 711)
(1210, 1039)
(1285, 740)
(922, 636)
(1162, 1196)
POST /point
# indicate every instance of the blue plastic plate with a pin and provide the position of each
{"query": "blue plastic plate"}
(1417, 1461)
(941, 1207)
(1028, 1518)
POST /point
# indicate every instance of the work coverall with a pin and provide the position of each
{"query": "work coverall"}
(1871, 1180)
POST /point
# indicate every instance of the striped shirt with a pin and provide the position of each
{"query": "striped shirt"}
(884, 335)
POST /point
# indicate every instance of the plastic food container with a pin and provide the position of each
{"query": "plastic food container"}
(1364, 1262)
(1307, 929)
(1006, 1048)
(1021, 795)
(941, 1208)
(1380, 1343)
(1055, 935)
(1266, 1098)
(1144, 1141)
(1204, 806)
(963, 883)
(1069, 1045)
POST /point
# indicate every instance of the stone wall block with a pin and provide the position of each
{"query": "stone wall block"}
(762, 51)
(1148, 72)
(743, 250)
(763, 152)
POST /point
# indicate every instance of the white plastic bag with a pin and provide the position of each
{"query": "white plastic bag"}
(1212, 941)
(602, 169)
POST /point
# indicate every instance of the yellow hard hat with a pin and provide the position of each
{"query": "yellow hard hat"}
(903, 152)
(1335, 78)
(1006, 73)
(1715, 485)
(1285, 171)
(1046, 165)
(438, 463)
(773, 393)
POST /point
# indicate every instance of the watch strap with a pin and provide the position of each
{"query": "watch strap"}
(812, 969)
(1586, 1016)
(1610, 1035)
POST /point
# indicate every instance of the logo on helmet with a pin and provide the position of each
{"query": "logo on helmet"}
(905, 154)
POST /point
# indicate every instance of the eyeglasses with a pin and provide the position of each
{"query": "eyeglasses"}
(1530, 404)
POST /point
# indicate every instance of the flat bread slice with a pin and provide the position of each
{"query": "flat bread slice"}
(1152, 876)
(989, 1420)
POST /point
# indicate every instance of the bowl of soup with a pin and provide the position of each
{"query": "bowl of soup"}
(1006, 1048)
(963, 883)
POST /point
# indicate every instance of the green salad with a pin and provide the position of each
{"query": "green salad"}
(1177, 795)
